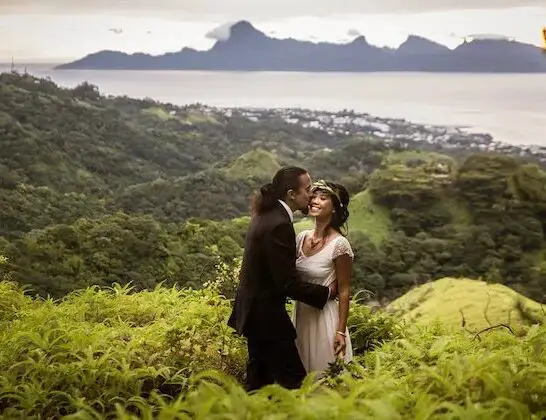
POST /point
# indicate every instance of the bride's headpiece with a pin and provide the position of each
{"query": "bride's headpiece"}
(322, 185)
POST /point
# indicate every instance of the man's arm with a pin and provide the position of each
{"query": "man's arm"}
(281, 257)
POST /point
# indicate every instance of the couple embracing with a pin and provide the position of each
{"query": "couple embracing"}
(313, 268)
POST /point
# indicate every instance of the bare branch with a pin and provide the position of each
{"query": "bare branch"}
(477, 335)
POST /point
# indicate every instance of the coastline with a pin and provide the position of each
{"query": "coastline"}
(392, 131)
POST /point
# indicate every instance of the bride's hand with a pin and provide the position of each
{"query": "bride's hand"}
(340, 344)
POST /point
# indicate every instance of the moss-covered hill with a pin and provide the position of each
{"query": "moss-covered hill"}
(256, 163)
(466, 303)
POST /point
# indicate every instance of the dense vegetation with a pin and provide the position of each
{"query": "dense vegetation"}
(167, 353)
(97, 190)
(480, 217)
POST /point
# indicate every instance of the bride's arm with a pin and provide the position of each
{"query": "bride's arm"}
(343, 265)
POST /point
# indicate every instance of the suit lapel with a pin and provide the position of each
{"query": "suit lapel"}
(282, 210)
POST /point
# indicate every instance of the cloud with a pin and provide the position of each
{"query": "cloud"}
(222, 10)
(220, 33)
(487, 36)
(353, 32)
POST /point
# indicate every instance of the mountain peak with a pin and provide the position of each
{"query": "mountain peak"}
(496, 46)
(360, 40)
(418, 44)
(244, 29)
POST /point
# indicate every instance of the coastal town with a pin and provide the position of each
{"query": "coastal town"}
(390, 130)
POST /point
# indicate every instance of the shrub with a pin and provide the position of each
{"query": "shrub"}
(102, 346)
(370, 328)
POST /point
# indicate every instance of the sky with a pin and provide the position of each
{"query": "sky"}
(61, 30)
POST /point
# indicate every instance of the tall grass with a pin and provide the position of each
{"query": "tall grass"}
(168, 354)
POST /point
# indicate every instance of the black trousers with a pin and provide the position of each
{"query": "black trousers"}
(271, 361)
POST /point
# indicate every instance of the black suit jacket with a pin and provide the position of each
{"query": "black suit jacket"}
(268, 276)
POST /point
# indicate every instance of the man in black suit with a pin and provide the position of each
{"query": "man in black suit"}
(268, 276)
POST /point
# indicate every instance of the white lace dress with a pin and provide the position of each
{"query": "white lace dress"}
(316, 328)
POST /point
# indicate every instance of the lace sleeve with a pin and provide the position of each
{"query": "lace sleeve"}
(342, 247)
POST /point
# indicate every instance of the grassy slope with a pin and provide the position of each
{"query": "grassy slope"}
(157, 112)
(257, 162)
(445, 299)
(368, 217)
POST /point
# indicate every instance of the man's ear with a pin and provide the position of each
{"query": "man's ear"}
(291, 194)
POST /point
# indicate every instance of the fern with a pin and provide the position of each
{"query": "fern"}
(168, 354)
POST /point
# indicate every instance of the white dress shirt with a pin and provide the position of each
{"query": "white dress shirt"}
(288, 210)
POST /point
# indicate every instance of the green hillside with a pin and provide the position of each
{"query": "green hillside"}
(73, 153)
(256, 163)
(481, 304)
(369, 218)
(79, 171)
(415, 158)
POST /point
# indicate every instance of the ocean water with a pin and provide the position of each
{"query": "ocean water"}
(510, 107)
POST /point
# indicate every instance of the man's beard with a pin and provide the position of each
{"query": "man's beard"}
(305, 211)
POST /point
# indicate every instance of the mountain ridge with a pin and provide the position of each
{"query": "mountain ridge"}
(249, 49)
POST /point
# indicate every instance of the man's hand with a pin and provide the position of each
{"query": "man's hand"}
(333, 290)
(340, 345)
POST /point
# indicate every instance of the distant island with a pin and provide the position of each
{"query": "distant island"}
(248, 49)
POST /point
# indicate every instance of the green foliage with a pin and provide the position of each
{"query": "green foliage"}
(28, 207)
(167, 353)
(481, 218)
(347, 160)
(117, 153)
(211, 194)
(122, 249)
(227, 279)
(73, 155)
(410, 182)
(101, 347)
(370, 329)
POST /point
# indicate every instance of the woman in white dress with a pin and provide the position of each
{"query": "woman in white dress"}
(324, 255)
